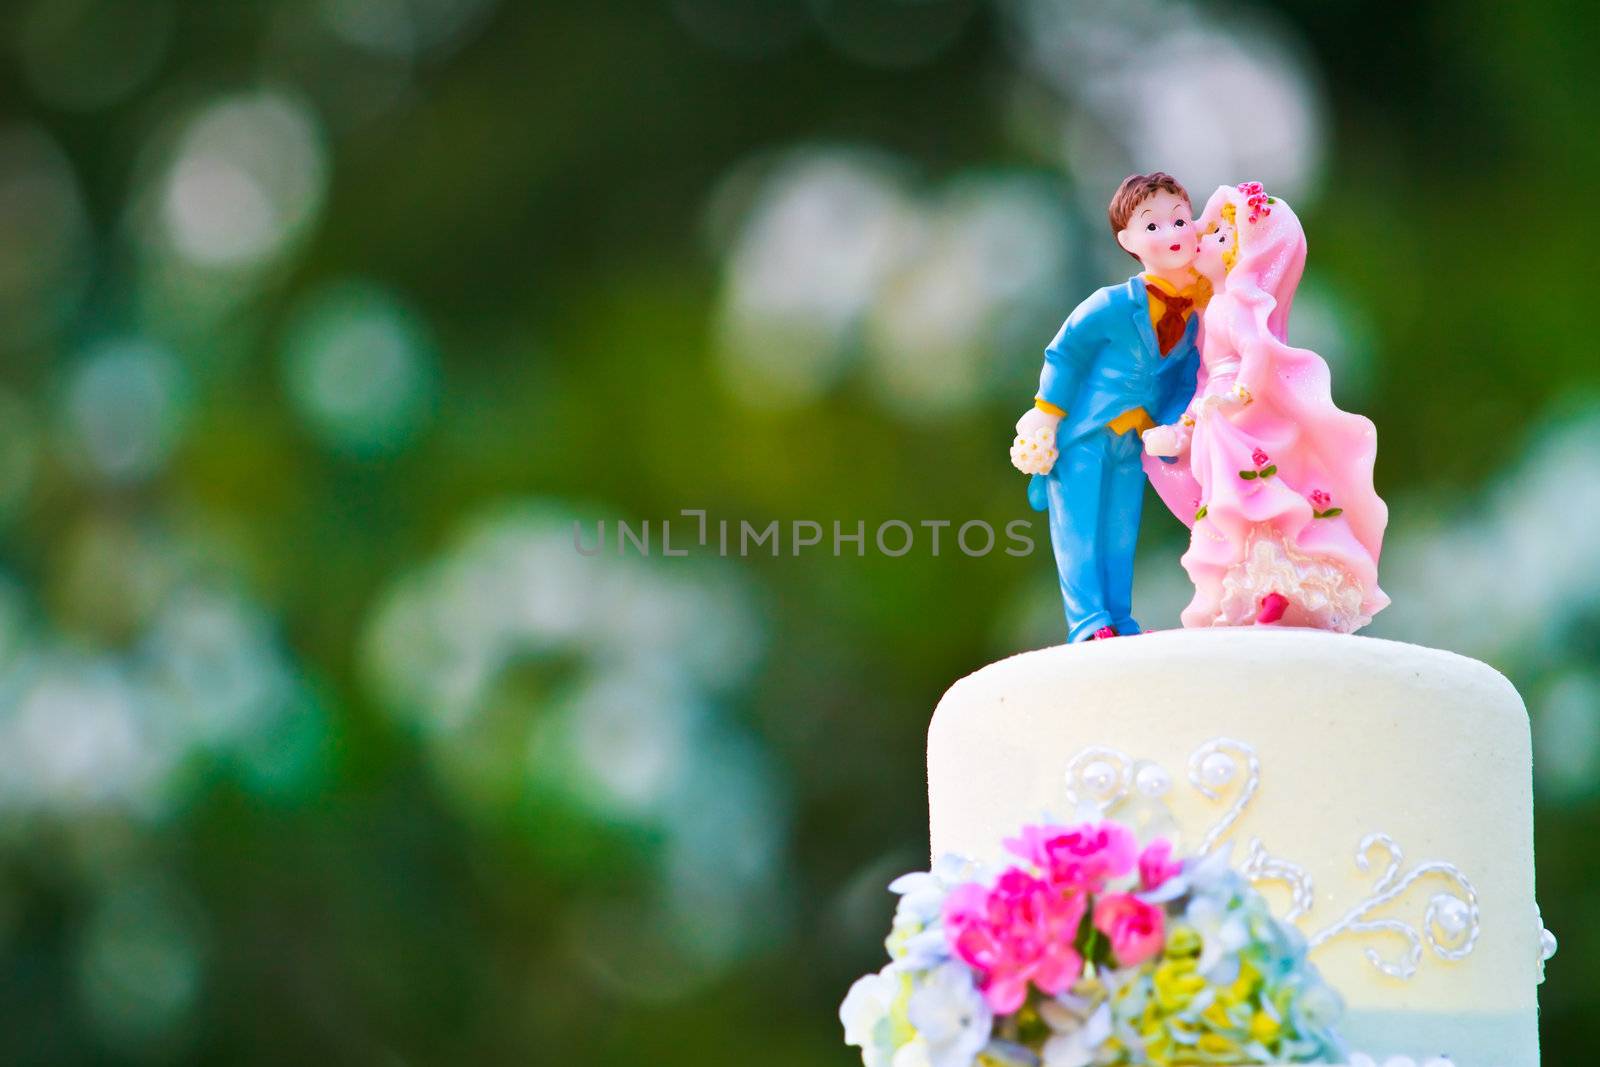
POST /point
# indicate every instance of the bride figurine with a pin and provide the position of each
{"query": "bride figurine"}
(1274, 481)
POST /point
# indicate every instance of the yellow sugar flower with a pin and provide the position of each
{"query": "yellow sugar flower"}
(1265, 1029)
(1182, 942)
(1217, 1015)
(900, 1029)
(1244, 987)
(1219, 1048)
(1176, 984)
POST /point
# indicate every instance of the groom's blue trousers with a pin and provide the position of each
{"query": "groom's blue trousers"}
(1095, 493)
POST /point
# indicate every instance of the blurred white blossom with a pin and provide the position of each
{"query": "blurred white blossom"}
(1211, 96)
(1509, 576)
(191, 676)
(837, 258)
(825, 229)
(77, 736)
(989, 255)
(531, 670)
(247, 178)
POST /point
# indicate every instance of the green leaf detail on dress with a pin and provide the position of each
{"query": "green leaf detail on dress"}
(1201, 513)
(1249, 476)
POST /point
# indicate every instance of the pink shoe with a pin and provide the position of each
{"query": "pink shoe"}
(1103, 633)
(1273, 605)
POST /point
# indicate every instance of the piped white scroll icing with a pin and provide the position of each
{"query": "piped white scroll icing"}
(1225, 770)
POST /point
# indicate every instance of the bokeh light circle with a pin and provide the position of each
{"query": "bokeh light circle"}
(247, 178)
(359, 368)
(123, 410)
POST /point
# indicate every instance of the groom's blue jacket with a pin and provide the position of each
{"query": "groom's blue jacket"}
(1105, 361)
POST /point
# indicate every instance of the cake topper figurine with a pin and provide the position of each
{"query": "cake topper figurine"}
(1240, 434)
(1273, 479)
(1123, 362)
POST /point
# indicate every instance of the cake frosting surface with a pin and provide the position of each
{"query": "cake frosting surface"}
(1378, 793)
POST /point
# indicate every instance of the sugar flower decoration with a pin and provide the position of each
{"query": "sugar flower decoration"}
(1019, 932)
(950, 1015)
(1077, 857)
(1085, 948)
(1256, 200)
(1136, 930)
(1264, 467)
(1156, 865)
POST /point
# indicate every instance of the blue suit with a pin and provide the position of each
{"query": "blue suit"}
(1103, 363)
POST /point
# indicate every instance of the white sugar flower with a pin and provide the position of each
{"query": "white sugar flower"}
(913, 1054)
(1075, 1045)
(865, 1015)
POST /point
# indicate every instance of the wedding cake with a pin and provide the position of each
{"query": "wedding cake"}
(1257, 840)
(1378, 793)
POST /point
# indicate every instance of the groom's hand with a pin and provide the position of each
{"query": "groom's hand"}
(1033, 420)
(1034, 450)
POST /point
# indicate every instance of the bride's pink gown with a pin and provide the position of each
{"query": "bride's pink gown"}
(1278, 492)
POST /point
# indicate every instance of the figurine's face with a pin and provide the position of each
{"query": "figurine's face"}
(1161, 232)
(1216, 242)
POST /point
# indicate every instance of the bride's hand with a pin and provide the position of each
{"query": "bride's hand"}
(1163, 441)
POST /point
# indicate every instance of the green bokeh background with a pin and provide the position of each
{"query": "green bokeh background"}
(272, 791)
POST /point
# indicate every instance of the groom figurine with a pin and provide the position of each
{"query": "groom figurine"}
(1123, 362)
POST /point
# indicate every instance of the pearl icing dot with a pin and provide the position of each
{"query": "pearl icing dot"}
(1452, 915)
(1152, 781)
(1216, 770)
(1100, 776)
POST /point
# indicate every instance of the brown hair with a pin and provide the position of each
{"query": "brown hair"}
(1135, 190)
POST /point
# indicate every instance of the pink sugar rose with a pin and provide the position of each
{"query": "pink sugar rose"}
(1259, 458)
(1320, 499)
(1019, 931)
(1137, 930)
(1156, 865)
(1077, 857)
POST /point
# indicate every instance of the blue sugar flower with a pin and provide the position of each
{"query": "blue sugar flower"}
(924, 951)
(950, 1014)
(922, 893)
(917, 941)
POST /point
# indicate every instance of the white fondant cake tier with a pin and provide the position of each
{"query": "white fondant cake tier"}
(1390, 784)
